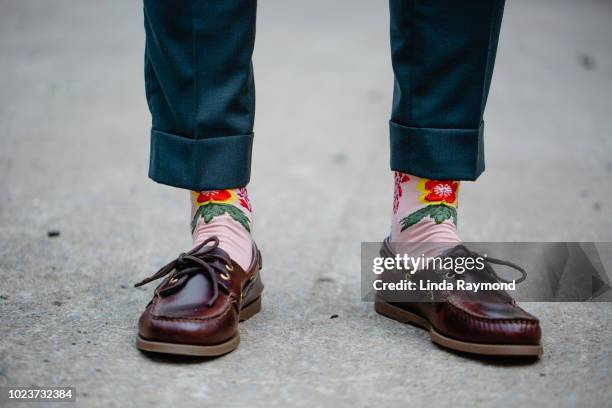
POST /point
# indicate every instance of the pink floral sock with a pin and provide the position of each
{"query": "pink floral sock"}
(227, 215)
(425, 212)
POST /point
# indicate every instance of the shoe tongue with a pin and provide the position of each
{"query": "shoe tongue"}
(201, 281)
(218, 251)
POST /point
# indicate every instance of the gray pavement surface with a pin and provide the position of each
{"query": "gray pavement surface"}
(74, 137)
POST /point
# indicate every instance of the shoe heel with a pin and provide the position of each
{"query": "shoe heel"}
(250, 310)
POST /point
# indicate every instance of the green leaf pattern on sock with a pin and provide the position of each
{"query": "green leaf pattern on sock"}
(438, 213)
(211, 210)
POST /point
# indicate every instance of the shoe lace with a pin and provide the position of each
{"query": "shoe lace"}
(200, 259)
(489, 260)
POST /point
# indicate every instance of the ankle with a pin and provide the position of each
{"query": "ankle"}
(227, 215)
(424, 210)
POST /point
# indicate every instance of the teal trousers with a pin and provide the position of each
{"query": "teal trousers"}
(201, 94)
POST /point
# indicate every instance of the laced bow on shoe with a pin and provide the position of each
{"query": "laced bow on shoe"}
(488, 260)
(200, 259)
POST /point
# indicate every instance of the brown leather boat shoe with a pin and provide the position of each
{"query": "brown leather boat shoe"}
(488, 322)
(196, 309)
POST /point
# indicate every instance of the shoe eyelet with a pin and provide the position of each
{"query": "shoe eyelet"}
(230, 268)
(450, 275)
(173, 280)
(225, 276)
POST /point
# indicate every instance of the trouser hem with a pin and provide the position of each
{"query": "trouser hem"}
(442, 154)
(200, 164)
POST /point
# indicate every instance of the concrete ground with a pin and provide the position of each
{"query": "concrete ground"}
(74, 136)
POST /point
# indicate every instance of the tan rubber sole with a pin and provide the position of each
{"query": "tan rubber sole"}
(214, 350)
(396, 313)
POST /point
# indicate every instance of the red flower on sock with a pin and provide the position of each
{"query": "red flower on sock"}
(397, 193)
(439, 191)
(213, 195)
(243, 198)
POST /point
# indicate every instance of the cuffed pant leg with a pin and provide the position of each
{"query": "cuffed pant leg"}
(443, 52)
(200, 90)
